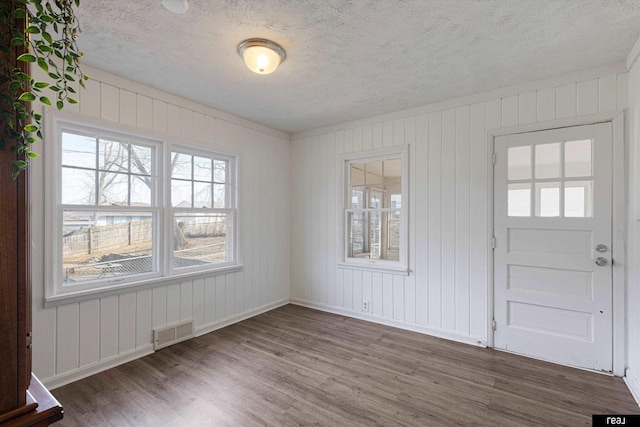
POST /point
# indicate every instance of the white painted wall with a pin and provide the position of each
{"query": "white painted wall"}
(633, 270)
(446, 292)
(75, 340)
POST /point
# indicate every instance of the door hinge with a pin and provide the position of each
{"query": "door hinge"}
(29, 339)
(494, 325)
(493, 242)
(493, 158)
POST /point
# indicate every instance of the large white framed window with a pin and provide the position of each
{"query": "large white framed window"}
(376, 209)
(125, 208)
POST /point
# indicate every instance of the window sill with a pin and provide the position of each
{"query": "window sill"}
(90, 294)
(375, 267)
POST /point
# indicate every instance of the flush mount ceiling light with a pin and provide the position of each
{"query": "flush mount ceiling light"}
(176, 6)
(261, 56)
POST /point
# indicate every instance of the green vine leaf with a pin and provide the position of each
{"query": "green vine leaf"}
(55, 51)
(26, 57)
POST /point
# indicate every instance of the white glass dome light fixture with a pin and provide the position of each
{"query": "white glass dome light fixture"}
(262, 56)
(176, 6)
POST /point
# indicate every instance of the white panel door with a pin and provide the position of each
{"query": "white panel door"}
(552, 259)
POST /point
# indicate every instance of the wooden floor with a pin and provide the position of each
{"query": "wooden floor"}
(295, 366)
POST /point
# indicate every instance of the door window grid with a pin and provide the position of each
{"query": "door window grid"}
(562, 181)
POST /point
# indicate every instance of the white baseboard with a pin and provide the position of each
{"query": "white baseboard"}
(86, 371)
(452, 336)
(214, 326)
(633, 383)
(92, 369)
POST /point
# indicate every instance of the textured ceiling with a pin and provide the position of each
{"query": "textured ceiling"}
(348, 59)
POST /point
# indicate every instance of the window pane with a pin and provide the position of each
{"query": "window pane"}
(141, 190)
(374, 172)
(375, 198)
(114, 156)
(78, 186)
(180, 165)
(181, 193)
(202, 169)
(578, 199)
(113, 188)
(201, 239)
(141, 160)
(393, 171)
(201, 195)
(355, 222)
(357, 197)
(357, 174)
(519, 200)
(375, 235)
(519, 162)
(396, 203)
(548, 160)
(78, 150)
(577, 158)
(220, 171)
(220, 196)
(547, 199)
(103, 245)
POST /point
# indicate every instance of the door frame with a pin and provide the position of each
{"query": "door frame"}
(618, 215)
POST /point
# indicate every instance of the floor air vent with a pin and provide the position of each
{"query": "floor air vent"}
(172, 334)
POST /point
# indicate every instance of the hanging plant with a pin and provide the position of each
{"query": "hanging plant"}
(49, 41)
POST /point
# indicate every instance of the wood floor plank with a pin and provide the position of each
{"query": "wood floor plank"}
(295, 366)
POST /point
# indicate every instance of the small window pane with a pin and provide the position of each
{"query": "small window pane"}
(220, 171)
(519, 200)
(220, 196)
(578, 199)
(113, 156)
(357, 174)
(78, 150)
(181, 193)
(355, 222)
(201, 239)
(374, 172)
(519, 162)
(104, 245)
(375, 198)
(392, 171)
(113, 188)
(140, 190)
(548, 160)
(202, 169)
(201, 195)
(180, 165)
(577, 158)
(357, 197)
(547, 199)
(78, 186)
(375, 235)
(141, 160)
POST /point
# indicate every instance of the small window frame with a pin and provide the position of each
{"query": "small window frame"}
(401, 266)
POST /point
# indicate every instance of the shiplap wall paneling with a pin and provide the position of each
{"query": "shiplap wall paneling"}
(446, 290)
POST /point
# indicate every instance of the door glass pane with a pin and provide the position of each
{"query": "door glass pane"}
(548, 160)
(578, 199)
(519, 200)
(577, 158)
(547, 199)
(519, 162)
